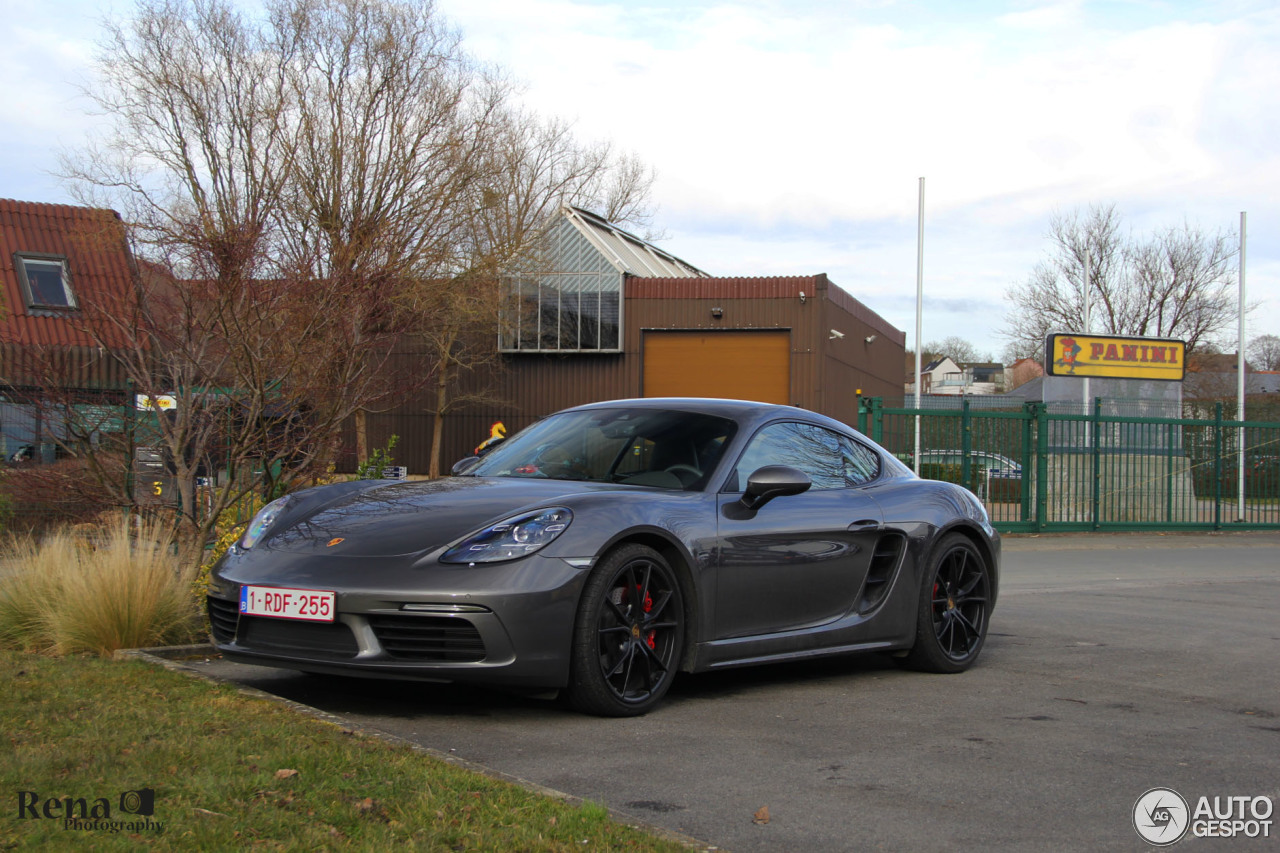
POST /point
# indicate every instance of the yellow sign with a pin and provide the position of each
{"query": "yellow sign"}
(158, 403)
(1115, 358)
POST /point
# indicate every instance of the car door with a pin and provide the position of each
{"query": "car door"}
(799, 560)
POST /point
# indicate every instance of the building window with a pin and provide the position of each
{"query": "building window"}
(564, 312)
(565, 296)
(46, 282)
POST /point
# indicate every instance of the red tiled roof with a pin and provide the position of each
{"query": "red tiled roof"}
(98, 260)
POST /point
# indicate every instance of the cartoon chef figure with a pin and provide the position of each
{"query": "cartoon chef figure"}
(1070, 349)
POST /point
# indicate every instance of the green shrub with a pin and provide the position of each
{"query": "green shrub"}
(121, 589)
(940, 471)
(1260, 482)
(379, 459)
(231, 524)
(950, 473)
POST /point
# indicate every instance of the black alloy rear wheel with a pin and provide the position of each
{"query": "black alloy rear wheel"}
(628, 636)
(955, 600)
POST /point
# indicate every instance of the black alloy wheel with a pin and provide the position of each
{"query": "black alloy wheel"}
(628, 636)
(955, 600)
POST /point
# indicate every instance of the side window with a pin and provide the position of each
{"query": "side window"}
(813, 450)
(861, 463)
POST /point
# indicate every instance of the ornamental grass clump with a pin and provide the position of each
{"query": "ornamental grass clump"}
(30, 578)
(119, 588)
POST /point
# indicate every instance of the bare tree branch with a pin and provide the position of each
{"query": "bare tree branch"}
(1264, 352)
(1178, 283)
(309, 191)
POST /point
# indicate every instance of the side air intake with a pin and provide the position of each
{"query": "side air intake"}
(884, 564)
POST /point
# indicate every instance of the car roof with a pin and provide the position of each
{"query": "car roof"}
(749, 415)
(743, 411)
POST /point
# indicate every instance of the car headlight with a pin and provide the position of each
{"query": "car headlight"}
(511, 538)
(263, 520)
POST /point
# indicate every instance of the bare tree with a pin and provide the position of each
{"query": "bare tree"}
(191, 161)
(531, 167)
(411, 162)
(309, 191)
(385, 136)
(1185, 286)
(1264, 352)
(257, 379)
(1177, 283)
(957, 349)
(1016, 350)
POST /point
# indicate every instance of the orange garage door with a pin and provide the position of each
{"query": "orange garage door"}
(736, 365)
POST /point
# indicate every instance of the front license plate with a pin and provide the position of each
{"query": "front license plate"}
(309, 605)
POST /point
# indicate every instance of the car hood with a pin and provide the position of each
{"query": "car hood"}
(415, 517)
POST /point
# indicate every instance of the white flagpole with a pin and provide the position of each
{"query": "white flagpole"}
(919, 314)
(1240, 383)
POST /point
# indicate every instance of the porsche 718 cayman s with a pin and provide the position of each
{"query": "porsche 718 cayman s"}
(607, 547)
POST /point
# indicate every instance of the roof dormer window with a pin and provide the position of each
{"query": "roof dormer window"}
(45, 280)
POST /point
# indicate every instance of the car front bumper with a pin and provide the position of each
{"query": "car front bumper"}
(509, 627)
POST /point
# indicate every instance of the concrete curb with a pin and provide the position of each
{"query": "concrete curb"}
(172, 658)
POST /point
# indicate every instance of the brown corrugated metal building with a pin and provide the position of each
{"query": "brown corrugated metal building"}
(675, 331)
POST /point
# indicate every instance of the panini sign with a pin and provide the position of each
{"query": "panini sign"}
(1115, 358)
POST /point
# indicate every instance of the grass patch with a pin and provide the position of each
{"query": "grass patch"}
(83, 727)
(114, 588)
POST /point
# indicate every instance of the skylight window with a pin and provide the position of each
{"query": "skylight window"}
(46, 281)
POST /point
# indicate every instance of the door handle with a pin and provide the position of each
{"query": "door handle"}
(864, 525)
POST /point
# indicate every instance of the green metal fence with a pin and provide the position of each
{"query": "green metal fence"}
(1124, 465)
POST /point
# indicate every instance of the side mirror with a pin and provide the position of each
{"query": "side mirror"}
(774, 481)
(462, 466)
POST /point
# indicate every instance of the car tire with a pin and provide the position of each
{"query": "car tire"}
(953, 610)
(628, 636)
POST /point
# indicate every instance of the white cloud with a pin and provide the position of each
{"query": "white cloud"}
(1054, 18)
(46, 60)
(771, 132)
(789, 137)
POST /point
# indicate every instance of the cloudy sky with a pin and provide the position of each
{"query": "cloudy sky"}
(789, 137)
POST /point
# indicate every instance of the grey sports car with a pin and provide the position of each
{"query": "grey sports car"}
(607, 547)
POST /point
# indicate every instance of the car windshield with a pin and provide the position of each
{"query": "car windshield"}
(642, 447)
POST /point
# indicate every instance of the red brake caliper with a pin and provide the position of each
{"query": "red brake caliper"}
(648, 608)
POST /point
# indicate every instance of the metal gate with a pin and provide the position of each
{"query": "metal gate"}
(1122, 466)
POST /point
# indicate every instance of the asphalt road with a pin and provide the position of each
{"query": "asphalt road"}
(1116, 664)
